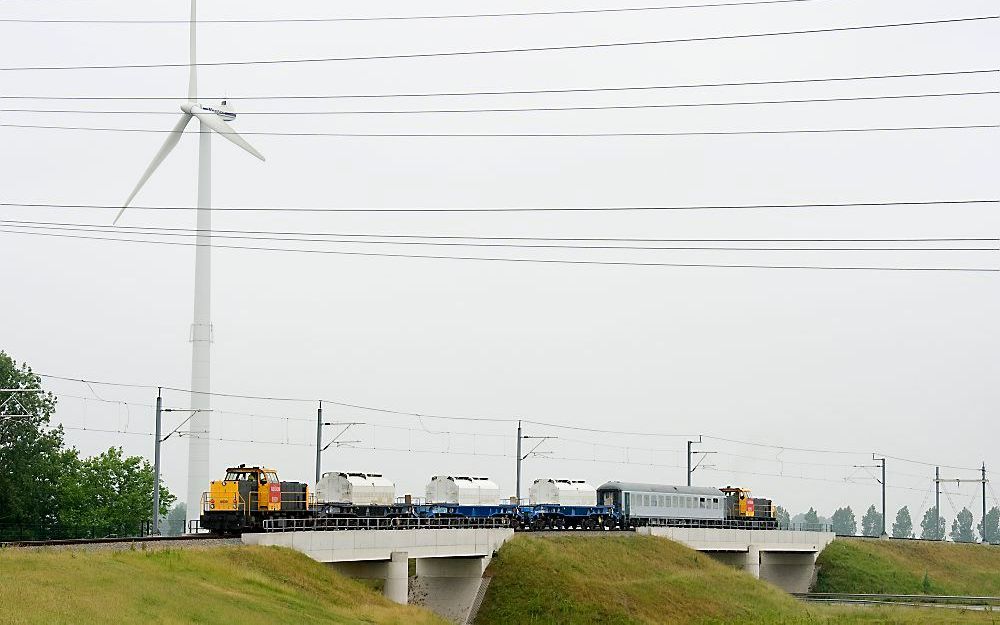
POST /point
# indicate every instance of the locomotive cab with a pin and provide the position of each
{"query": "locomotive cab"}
(246, 488)
(248, 496)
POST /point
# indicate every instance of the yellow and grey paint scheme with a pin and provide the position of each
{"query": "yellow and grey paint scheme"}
(263, 494)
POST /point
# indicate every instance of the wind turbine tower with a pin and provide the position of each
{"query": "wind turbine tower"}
(210, 120)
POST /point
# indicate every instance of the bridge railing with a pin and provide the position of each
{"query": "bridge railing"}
(325, 524)
(810, 527)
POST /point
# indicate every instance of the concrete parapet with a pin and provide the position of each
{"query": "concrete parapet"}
(348, 545)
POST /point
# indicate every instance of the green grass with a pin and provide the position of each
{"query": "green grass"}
(899, 567)
(245, 585)
(643, 580)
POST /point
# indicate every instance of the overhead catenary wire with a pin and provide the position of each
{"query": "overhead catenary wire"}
(531, 109)
(316, 238)
(427, 94)
(496, 51)
(550, 261)
(511, 421)
(377, 18)
(479, 135)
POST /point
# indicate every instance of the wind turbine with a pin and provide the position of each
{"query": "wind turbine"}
(210, 120)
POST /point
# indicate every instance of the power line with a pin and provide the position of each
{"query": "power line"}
(504, 209)
(530, 260)
(527, 91)
(399, 17)
(214, 231)
(424, 135)
(313, 238)
(533, 109)
(457, 53)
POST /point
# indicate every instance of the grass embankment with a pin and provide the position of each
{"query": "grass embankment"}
(246, 585)
(899, 567)
(639, 580)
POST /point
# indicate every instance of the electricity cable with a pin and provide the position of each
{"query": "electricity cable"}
(532, 109)
(543, 246)
(509, 209)
(463, 53)
(379, 18)
(695, 85)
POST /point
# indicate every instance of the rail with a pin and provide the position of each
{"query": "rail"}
(954, 600)
(98, 541)
(326, 524)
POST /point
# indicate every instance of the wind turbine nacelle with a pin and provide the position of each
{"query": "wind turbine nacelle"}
(225, 110)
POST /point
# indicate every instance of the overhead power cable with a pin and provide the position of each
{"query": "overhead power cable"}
(428, 94)
(509, 209)
(316, 238)
(530, 109)
(457, 53)
(123, 228)
(525, 260)
(380, 18)
(459, 135)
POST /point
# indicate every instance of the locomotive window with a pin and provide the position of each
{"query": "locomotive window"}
(645, 500)
(701, 503)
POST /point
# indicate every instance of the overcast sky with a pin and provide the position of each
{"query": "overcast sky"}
(902, 363)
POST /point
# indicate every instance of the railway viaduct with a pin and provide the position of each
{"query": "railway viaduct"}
(786, 558)
(450, 562)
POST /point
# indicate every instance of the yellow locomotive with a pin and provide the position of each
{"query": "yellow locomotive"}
(249, 495)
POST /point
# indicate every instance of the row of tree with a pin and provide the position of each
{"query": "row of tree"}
(844, 523)
(48, 489)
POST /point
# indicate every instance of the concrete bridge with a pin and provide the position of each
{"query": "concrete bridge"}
(450, 562)
(786, 558)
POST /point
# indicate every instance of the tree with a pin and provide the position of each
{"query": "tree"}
(844, 522)
(903, 526)
(111, 493)
(784, 520)
(47, 489)
(32, 458)
(961, 528)
(871, 523)
(173, 523)
(992, 522)
(811, 518)
(929, 530)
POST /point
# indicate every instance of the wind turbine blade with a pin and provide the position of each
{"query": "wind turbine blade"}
(219, 125)
(168, 145)
(192, 63)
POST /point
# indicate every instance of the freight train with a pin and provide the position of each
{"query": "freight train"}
(251, 499)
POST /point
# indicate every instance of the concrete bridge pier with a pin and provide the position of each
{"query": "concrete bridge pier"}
(448, 586)
(752, 565)
(394, 572)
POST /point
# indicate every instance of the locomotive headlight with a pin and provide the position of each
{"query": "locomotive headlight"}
(211, 506)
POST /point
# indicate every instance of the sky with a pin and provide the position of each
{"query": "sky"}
(620, 364)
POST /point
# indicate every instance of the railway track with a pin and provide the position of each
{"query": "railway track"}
(964, 602)
(111, 540)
